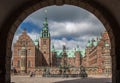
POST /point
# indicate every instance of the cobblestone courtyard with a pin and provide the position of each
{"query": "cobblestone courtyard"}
(25, 79)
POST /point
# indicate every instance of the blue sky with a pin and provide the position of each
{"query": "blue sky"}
(69, 25)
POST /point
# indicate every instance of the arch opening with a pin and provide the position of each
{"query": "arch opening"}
(41, 4)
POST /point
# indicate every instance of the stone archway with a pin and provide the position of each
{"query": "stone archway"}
(26, 9)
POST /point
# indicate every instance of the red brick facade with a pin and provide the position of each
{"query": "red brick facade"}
(45, 49)
(26, 54)
(97, 59)
(29, 57)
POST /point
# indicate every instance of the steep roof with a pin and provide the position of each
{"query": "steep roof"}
(70, 53)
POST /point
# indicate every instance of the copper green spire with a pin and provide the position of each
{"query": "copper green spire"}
(45, 31)
(45, 21)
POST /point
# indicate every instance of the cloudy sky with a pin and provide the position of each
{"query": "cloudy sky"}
(69, 25)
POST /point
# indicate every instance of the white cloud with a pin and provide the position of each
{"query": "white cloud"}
(70, 44)
(75, 29)
(80, 25)
(33, 35)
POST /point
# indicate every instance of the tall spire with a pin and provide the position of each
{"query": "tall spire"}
(45, 31)
(45, 13)
(45, 24)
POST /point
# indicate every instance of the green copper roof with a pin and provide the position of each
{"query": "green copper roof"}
(89, 43)
(36, 42)
(45, 28)
(59, 53)
(45, 22)
(93, 42)
(70, 53)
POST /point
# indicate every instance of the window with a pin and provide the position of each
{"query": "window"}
(18, 63)
(44, 35)
(23, 52)
(44, 42)
(29, 64)
(29, 52)
(19, 52)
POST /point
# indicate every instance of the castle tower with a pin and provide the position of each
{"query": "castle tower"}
(45, 43)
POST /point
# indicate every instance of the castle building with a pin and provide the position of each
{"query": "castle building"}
(30, 55)
(71, 57)
(97, 58)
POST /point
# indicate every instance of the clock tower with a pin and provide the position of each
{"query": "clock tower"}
(45, 43)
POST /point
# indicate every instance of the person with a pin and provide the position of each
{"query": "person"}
(31, 74)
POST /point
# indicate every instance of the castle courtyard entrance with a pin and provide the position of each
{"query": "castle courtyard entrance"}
(21, 11)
